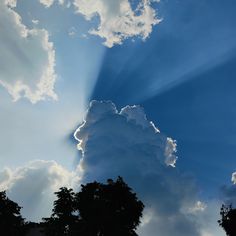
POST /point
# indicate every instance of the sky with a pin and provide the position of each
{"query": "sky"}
(145, 89)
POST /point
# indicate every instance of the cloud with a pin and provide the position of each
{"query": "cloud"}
(29, 58)
(33, 185)
(198, 207)
(136, 130)
(35, 22)
(49, 3)
(5, 176)
(207, 215)
(118, 20)
(229, 192)
(125, 143)
(234, 178)
(72, 31)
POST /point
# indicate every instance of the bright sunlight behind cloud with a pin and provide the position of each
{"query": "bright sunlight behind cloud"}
(126, 143)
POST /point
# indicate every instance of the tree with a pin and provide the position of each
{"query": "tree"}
(108, 209)
(62, 218)
(11, 221)
(228, 220)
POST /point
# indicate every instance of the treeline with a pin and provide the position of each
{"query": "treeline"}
(110, 209)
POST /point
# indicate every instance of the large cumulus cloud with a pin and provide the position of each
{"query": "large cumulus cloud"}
(32, 186)
(122, 143)
(117, 20)
(28, 57)
(125, 143)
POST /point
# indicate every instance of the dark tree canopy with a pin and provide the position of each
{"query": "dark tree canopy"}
(64, 205)
(228, 220)
(110, 209)
(62, 219)
(11, 221)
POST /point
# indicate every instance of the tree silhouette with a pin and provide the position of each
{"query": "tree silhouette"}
(11, 221)
(62, 219)
(228, 220)
(108, 209)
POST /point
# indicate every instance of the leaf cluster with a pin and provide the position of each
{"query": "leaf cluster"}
(11, 221)
(228, 220)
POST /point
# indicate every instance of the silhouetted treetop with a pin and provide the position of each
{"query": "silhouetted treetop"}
(228, 220)
(109, 209)
(64, 205)
(62, 219)
(11, 221)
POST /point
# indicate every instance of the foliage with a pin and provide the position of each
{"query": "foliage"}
(11, 221)
(62, 220)
(98, 209)
(228, 220)
(109, 209)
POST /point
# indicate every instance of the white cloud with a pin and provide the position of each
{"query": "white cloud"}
(72, 31)
(29, 58)
(49, 3)
(208, 214)
(170, 150)
(198, 207)
(234, 178)
(33, 185)
(5, 176)
(46, 3)
(137, 124)
(35, 22)
(118, 21)
(125, 143)
(229, 192)
(11, 3)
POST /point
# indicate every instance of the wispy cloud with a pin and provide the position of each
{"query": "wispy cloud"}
(72, 31)
(49, 3)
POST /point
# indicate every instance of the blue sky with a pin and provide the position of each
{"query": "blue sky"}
(187, 86)
(176, 59)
